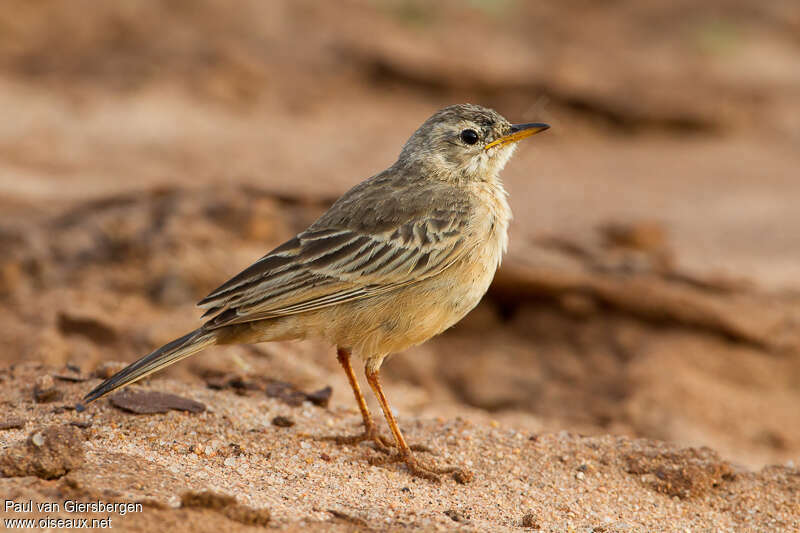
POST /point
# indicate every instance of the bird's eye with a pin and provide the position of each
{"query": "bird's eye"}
(469, 136)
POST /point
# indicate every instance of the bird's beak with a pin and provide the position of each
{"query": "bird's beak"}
(518, 132)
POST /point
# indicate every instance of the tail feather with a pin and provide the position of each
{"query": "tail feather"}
(168, 354)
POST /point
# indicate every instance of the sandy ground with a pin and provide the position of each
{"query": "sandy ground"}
(634, 366)
(552, 482)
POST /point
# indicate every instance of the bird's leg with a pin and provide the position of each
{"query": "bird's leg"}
(403, 454)
(370, 429)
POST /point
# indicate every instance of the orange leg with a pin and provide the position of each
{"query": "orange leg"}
(404, 454)
(370, 429)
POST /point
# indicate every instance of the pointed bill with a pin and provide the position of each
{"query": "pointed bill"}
(518, 132)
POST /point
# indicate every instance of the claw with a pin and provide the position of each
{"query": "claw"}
(379, 442)
(420, 469)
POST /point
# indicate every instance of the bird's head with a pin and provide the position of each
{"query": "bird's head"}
(465, 142)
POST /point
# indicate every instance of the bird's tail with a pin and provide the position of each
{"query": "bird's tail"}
(172, 352)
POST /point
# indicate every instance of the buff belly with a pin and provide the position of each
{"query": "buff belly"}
(410, 315)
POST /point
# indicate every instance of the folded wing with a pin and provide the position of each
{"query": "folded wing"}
(327, 266)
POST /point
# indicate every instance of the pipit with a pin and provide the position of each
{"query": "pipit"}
(397, 259)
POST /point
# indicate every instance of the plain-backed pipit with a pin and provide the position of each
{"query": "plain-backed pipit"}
(396, 260)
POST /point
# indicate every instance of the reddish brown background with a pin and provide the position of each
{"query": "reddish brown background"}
(150, 150)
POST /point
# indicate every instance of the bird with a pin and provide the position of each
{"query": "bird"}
(396, 260)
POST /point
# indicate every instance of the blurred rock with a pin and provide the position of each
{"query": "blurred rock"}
(226, 505)
(44, 390)
(90, 328)
(48, 453)
(690, 473)
(12, 423)
(153, 402)
(282, 422)
(108, 368)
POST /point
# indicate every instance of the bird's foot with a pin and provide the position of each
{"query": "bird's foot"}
(370, 434)
(379, 442)
(420, 469)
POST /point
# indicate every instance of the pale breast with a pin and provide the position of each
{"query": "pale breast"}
(490, 236)
(415, 313)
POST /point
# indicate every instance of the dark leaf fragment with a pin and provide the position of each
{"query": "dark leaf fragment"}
(151, 402)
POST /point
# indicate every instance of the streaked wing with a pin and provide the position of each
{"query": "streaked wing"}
(328, 266)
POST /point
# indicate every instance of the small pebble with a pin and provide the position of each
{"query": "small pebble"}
(108, 369)
(529, 520)
(455, 516)
(282, 422)
(12, 423)
(37, 439)
(463, 476)
(44, 390)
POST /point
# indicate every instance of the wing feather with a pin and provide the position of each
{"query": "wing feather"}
(328, 266)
